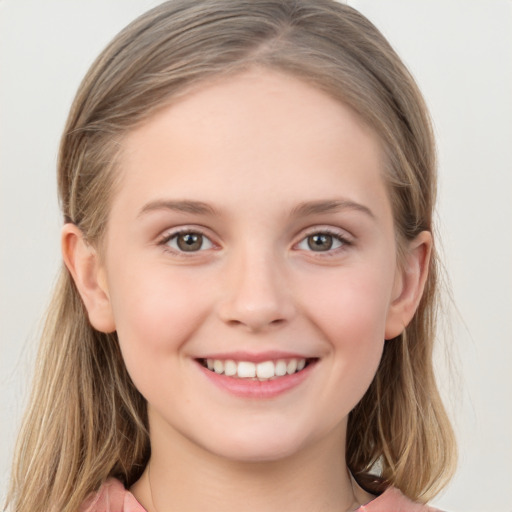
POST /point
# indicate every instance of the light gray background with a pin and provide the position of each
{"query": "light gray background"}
(461, 54)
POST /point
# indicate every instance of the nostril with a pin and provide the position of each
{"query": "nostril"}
(254, 319)
(256, 299)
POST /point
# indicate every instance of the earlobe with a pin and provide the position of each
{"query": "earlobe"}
(83, 263)
(409, 284)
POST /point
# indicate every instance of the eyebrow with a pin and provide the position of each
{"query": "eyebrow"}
(304, 209)
(186, 206)
(329, 206)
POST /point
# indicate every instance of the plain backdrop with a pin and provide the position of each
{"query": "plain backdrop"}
(460, 52)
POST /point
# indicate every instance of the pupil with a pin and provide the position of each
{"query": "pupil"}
(320, 242)
(190, 242)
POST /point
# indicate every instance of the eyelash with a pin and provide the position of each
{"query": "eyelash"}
(164, 241)
(344, 241)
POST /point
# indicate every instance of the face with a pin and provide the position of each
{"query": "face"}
(250, 266)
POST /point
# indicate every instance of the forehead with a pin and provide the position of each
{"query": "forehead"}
(259, 132)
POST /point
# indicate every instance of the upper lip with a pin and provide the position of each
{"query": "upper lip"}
(255, 357)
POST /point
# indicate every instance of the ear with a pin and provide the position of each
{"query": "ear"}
(410, 282)
(83, 262)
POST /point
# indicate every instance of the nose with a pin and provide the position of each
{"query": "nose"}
(256, 295)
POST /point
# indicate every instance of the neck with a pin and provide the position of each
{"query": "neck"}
(181, 476)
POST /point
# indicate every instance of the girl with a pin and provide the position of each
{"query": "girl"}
(246, 314)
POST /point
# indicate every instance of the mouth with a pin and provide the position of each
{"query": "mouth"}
(261, 371)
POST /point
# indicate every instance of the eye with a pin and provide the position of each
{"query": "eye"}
(321, 242)
(188, 241)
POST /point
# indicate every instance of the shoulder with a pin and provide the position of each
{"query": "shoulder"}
(111, 497)
(392, 500)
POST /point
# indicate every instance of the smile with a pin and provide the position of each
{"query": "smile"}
(262, 371)
(261, 376)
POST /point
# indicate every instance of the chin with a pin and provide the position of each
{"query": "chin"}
(254, 446)
(252, 453)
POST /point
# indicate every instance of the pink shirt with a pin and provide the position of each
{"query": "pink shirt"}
(113, 497)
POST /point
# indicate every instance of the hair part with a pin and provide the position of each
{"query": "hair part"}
(86, 421)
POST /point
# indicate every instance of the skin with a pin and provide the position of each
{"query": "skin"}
(253, 148)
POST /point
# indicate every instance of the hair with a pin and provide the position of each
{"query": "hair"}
(86, 421)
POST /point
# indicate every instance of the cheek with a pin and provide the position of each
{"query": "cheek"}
(350, 305)
(350, 314)
(155, 314)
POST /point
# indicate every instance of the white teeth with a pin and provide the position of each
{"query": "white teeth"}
(246, 369)
(262, 371)
(230, 368)
(265, 370)
(291, 367)
(281, 368)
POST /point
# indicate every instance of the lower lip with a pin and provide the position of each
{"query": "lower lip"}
(248, 388)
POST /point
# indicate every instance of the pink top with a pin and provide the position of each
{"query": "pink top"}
(113, 497)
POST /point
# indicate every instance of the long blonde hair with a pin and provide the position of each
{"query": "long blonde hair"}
(86, 421)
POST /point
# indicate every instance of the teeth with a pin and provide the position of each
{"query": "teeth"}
(246, 370)
(265, 370)
(262, 371)
(280, 368)
(218, 366)
(230, 368)
(291, 367)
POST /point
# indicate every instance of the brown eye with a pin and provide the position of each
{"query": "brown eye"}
(320, 242)
(189, 241)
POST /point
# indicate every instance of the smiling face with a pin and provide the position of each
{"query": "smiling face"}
(249, 267)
